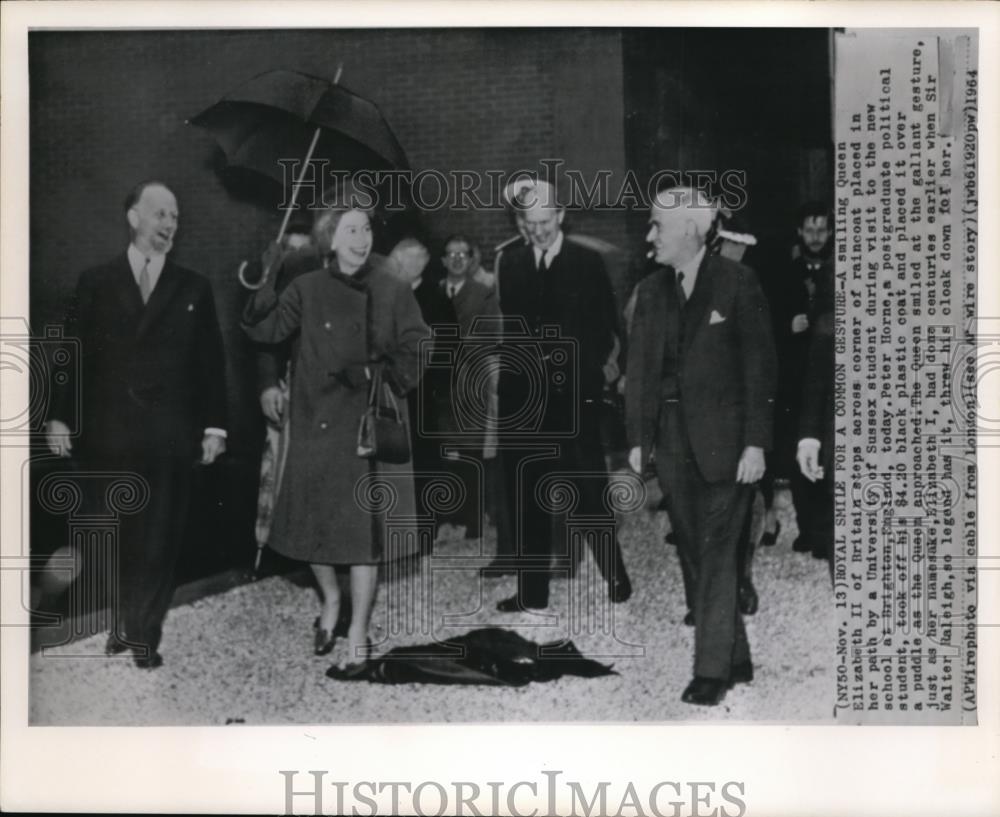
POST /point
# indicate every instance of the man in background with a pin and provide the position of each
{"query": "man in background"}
(798, 298)
(469, 413)
(816, 430)
(428, 403)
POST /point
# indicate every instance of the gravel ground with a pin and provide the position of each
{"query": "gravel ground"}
(245, 656)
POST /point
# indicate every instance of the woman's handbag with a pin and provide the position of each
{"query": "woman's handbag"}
(382, 432)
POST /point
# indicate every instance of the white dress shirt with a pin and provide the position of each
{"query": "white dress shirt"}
(550, 253)
(690, 271)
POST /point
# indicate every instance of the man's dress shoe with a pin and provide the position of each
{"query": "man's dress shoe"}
(705, 691)
(151, 661)
(802, 545)
(114, 645)
(741, 674)
(770, 538)
(669, 538)
(689, 619)
(620, 590)
(749, 602)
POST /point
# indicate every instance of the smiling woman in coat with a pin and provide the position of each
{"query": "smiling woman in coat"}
(348, 318)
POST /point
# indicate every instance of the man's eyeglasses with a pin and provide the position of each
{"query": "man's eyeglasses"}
(460, 255)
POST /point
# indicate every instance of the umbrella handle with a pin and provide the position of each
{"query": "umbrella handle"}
(240, 273)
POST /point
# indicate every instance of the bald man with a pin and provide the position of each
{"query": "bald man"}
(153, 403)
(700, 390)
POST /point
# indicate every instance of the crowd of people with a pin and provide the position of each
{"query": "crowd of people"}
(504, 379)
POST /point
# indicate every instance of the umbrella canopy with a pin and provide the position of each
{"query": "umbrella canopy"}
(275, 116)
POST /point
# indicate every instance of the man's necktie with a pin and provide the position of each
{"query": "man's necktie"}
(681, 296)
(541, 262)
(451, 291)
(145, 283)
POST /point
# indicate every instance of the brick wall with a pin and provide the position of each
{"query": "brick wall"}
(109, 108)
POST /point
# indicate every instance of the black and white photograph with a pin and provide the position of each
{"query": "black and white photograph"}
(626, 384)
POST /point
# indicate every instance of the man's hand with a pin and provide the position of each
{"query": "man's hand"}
(57, 438)
(808, 459)
(635, 459)
(799, 324)
(212, 445)
(751, 467)
(611, 371)
(272, 403)
(611, 368)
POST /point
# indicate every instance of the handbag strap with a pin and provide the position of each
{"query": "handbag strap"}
(373, 384)
(392, 401)
(377, 385)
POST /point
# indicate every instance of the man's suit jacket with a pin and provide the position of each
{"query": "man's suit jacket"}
(473, 300)
(575, 295)
(153, 375)
(727, 366)
(476, 309)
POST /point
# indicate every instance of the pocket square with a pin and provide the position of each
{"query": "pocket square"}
(190, 307)
(716, 318)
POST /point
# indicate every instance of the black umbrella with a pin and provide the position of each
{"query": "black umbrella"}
(279, 116)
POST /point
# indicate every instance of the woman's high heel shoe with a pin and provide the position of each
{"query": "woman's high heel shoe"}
(323, 640)
(770, 538)
(353, 670)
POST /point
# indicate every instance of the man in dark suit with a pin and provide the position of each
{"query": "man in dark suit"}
(700, 392)
(153, 403)
(559, 294)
